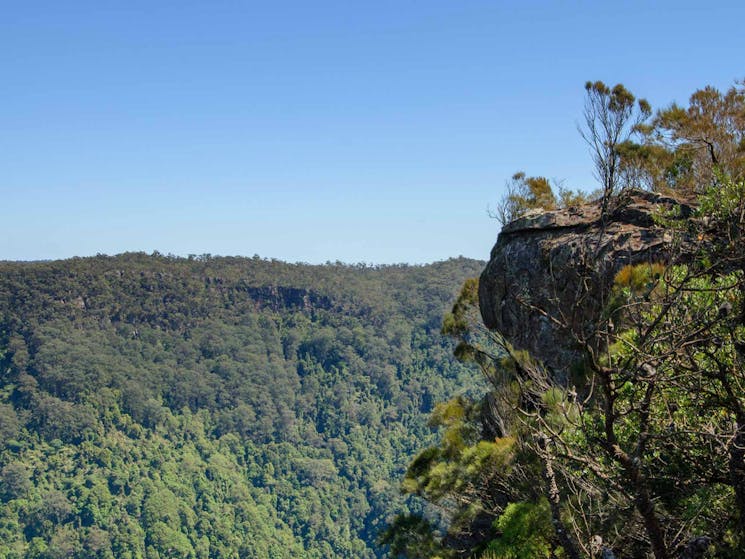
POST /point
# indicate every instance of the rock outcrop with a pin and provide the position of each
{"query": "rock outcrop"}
(556, 266)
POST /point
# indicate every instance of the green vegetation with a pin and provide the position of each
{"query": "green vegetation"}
(639, 450)
(677, 150)
(525, 194)
(156, 407)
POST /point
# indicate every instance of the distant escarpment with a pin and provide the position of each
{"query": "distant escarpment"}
(548, 272)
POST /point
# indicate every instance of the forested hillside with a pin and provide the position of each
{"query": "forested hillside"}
(157, 407)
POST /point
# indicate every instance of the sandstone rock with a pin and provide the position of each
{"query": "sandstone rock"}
(559, 264)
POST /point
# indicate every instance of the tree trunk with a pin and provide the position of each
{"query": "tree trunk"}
(554, 500)
(737, 472)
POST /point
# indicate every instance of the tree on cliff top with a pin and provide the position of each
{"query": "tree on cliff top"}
(525, 194)
(611, 117)
(680, 148)
(708, 134)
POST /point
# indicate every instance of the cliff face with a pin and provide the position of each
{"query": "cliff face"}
(555, 266)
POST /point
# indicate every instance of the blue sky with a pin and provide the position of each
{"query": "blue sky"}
(313, 131)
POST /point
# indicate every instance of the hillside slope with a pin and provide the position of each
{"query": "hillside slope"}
(214, 407)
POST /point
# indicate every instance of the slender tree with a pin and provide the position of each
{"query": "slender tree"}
(611, 117)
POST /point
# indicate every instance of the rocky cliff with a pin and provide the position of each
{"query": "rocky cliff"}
(549, 272)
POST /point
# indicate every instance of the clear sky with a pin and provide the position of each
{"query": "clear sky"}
(361, 131)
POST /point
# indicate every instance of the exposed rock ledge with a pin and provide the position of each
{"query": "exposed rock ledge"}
(560, 262)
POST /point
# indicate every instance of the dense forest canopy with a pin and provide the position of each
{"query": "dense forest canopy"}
(160, 407)
(637, 448)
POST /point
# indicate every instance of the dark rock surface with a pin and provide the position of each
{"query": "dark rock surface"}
(278, 298)
(558, 265)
